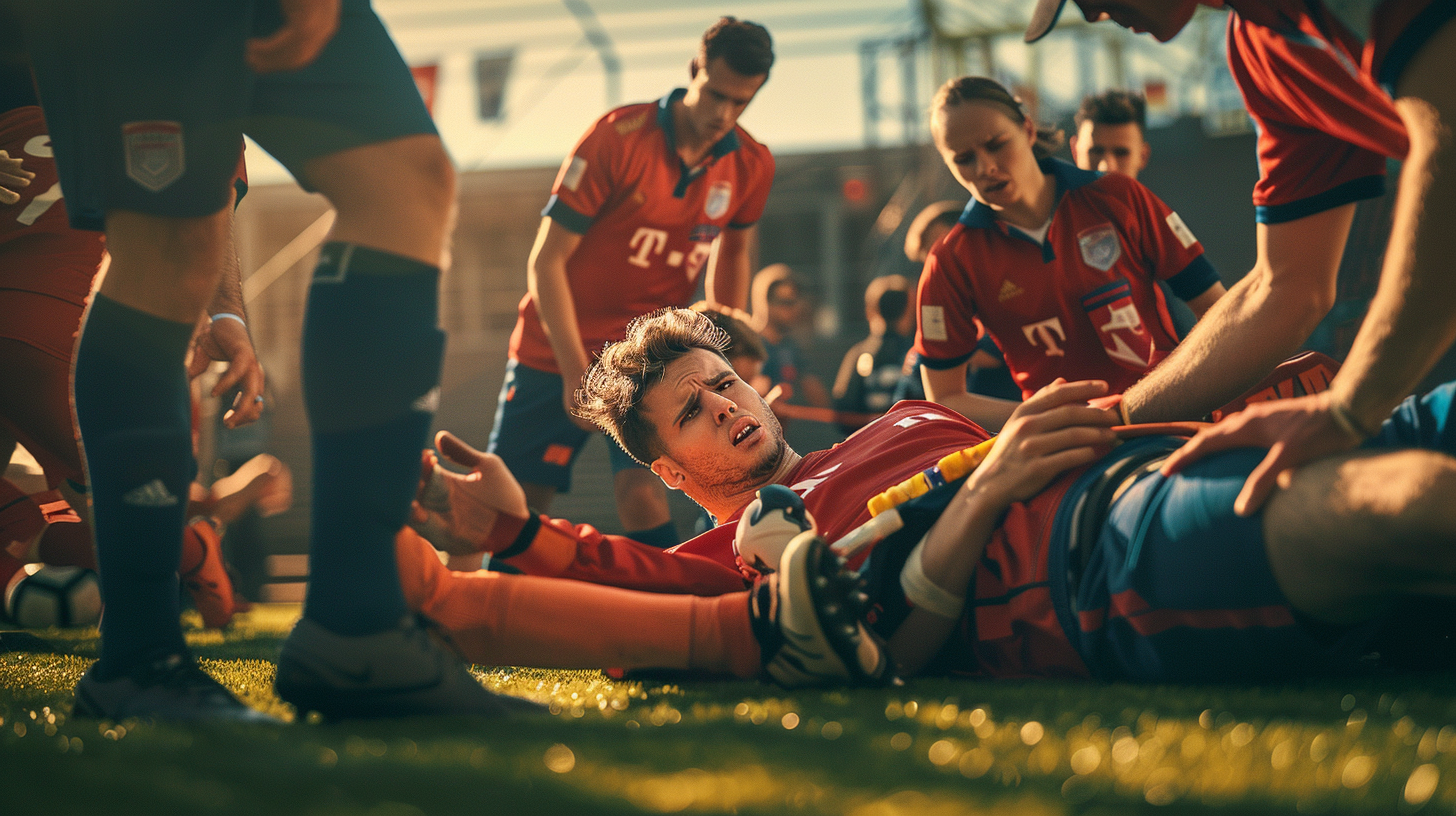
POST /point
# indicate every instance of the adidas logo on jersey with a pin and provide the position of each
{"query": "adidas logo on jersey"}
(151, 494)
(1009, 290)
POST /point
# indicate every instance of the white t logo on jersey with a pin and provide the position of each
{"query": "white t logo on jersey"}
(647, 242)
(1048, 331)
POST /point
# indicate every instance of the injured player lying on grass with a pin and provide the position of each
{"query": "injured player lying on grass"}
(1065, 553)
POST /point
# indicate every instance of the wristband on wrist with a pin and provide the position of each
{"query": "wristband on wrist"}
(1346, 421)
(523, 538)
(228, 316)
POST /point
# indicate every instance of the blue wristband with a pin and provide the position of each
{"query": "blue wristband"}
(229, 316)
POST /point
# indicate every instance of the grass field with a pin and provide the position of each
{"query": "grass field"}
(1377, 746)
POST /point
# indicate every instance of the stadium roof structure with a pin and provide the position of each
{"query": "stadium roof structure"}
(515, 82)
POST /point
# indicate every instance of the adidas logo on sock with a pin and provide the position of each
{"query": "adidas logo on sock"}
(429, 402)
(151, 494)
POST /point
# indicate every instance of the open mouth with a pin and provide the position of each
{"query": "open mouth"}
(744, 429)
(995, 187)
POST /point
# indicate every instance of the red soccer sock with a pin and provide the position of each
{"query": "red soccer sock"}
(523, 620)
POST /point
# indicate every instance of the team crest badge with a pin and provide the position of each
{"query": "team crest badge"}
(154, 154)
(719, 196)
(1100, 247)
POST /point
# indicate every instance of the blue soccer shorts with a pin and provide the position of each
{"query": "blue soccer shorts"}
(533, 434)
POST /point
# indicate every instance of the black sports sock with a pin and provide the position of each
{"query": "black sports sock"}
(132, 407)
(371, 365)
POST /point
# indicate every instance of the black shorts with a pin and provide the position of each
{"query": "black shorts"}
(147, 101)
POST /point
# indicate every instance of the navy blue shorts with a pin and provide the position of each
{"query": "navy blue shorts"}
(533, 434)
(147, 102)
(1178, 588)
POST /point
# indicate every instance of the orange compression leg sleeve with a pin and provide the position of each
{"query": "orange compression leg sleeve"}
(523, 620)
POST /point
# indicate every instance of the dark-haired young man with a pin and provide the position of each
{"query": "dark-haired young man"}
(634, 217)
(1111, 133)
(1336, 88)
(1059, 555)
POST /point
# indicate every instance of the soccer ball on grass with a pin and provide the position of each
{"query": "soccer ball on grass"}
(40, 596)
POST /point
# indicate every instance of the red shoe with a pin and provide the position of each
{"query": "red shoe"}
(207, 580)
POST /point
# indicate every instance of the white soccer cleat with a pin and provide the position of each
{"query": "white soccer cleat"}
(767, 525)
(808, 621)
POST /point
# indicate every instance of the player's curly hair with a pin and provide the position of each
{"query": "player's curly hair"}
(981, 89)
(614, 386)
(745, 46)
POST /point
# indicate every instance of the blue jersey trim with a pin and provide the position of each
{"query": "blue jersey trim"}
(558, 211)
(1351, 191)
(1415, 35)
(1068, 176)
(1107, 293)
(720, 148)
(942, 365)
(1195, 279)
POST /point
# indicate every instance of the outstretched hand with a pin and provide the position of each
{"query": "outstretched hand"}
(227, 341)
(456, 512)
(1051, 432)
(1295, 431)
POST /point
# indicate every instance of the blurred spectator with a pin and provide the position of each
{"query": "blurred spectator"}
(873, 367)
(778, 311)
(1111, 133)
(745, 350)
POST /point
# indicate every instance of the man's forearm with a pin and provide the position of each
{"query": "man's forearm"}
(731, 269)
(1412, 319)
(988, 412)
(557, 308)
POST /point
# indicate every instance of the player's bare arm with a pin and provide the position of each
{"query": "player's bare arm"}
(1260, 322)
(223, 336)
(1050, 433)
(731, 268)
(1410, 322)
(947, 386)
(1201, 304)
(13, 177)
(308, 25)
(1412, 319)
(547, 282)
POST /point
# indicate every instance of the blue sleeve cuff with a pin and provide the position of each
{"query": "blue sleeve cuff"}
(941, 365)
(1195, 279)
(1351, 191)
(558, 211)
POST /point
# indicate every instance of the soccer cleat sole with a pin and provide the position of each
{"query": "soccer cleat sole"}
(827, 642)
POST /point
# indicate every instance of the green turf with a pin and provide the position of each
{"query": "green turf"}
(1377, 746)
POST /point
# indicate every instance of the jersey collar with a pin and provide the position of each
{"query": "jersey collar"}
(721, 148)
(1067, 176)
(687, 175)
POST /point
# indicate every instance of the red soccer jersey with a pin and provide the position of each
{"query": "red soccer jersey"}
(1314, 88)
(647, 222)
(1081, 305)
(1010, 628)
(42, 253)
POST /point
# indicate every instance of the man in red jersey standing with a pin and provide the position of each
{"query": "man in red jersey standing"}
(633, 220)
